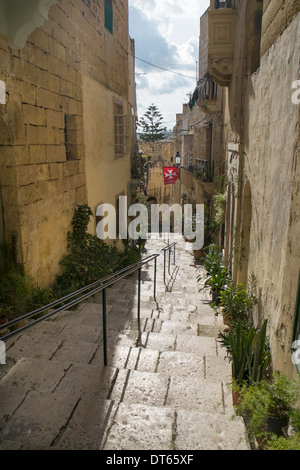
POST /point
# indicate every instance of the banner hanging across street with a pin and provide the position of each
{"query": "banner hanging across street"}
(170, 174)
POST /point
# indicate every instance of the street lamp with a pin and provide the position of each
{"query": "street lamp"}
(177, 159)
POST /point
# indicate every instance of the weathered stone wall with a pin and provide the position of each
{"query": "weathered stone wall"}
(162, 150)
(272, 169)
(277, 15)
(41, 179)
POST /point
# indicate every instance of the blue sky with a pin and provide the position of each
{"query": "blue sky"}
(166, 34)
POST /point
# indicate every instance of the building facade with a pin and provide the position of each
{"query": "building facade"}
(67, 121)
(253, 53)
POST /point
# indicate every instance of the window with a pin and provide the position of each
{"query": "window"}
(71, 137)
(120, 129)
(108, 12)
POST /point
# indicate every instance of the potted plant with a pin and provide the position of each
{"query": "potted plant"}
(236, 303)
(267, 406)
(215, 275)
(248, 351)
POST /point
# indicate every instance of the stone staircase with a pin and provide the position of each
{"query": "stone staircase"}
(165, 387)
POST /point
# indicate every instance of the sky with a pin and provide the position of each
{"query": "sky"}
(166, 34)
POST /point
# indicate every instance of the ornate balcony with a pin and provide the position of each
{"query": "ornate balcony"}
(207, 94)
(221, 41)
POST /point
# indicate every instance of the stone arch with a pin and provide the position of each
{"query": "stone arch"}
(245, 234)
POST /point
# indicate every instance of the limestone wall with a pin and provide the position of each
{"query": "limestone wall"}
(70, 59)
(272, 168)
(277, 15)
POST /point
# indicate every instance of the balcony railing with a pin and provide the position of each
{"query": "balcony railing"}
(203, 171)
(207, 93)
(224, 4)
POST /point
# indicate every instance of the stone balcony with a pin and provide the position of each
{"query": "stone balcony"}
(207, 94)
(221, 27)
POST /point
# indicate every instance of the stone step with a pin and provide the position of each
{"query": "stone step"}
(159, 428)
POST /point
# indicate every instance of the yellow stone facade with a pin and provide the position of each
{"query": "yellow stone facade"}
(58, 127)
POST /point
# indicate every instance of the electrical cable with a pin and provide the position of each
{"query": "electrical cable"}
(162, 68)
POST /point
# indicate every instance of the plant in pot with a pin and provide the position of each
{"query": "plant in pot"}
(267, 406)
(249, 354)
(215, 274)
(290, 441)
(235, 303)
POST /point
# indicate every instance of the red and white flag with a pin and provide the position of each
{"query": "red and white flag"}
(170, 174)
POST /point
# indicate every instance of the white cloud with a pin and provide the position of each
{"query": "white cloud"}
(166, 34)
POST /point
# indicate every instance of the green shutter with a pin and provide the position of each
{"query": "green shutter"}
(109, 15)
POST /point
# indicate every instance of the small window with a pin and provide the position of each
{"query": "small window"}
(70, 132)
(120, 123)
(108, 22)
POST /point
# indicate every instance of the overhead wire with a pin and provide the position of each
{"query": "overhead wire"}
(163, 68)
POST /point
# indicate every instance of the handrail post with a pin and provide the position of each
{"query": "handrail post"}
(164, 267)
(139, 298)
(174, 253)
(154, 292)
(104, 327)
(169, 260)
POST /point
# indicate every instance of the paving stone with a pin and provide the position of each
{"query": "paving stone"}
(140, 427)
(209, 431)
(173, 327)
(180, 363)
(145, 387)
(92, 415)
(147, 360)
(195, 393)
(38, 346)
(35, 374)
(161, 342)
(37, 423)
(217, 368)
(200, 345)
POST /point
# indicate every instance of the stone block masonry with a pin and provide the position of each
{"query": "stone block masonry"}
(42, 142)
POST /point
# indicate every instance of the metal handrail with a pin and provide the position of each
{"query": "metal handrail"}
(168, 248)
(92, 289)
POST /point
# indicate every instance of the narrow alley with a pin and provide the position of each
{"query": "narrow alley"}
(163, 389)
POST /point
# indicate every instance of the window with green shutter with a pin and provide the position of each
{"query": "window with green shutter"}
(108, 15)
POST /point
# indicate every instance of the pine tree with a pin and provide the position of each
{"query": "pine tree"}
(151, 124)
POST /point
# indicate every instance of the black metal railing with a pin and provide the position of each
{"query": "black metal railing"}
(169, 250)
(224, 4)
(79, 295)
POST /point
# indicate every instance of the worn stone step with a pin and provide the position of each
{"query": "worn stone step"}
(145, 427)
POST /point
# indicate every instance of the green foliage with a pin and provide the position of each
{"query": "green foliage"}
(15, 293)
(151, 124)
(247, 350)
(219, 202)
(273, 397)
(284, 443)
(216, 275)
(236, 302)
(88, 258)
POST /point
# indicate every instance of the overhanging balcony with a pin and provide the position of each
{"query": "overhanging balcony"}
(221, 41)
(207, 94)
